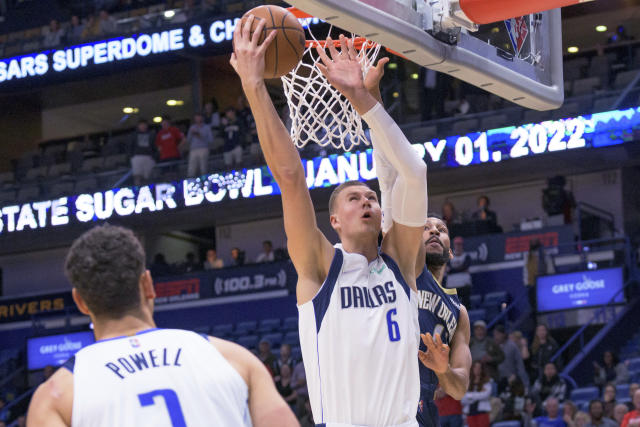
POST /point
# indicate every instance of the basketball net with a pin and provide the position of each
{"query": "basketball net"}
(318, 112)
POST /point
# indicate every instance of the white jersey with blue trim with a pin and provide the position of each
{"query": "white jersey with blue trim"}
(158, 377)
(359, 338)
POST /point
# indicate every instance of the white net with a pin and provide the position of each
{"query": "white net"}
(318, 112)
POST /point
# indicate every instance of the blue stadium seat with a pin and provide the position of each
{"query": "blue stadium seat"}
(275, 339)
(249, 341)
(493, 299)
(475, 301)
(292, 339)
(634, 364)
(222, 331)
(622, 391)
(585, 394)
(290, 324)
(506, 424)
(269, 325)
(244, 328)
(479, 314)
(202, 330)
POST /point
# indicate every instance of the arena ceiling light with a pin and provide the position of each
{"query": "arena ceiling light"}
(573, 49)
(415, 76)
(157, 119)
(130, 110)
(174, 102)
(601, 28)
(169, 14)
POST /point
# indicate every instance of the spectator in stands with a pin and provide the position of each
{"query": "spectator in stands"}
(514, 399)
(542, 350)
(285, 387)
(449, 409)
(521, 342)
(74, 31)
(168, 140)
(213, 262)
(632, 418)
(485, 350)
(581, 419)
(267, 357)
(231, 128)
(91, 28)
(449, 214)
(483, 213)
(596, 412)
(550, 384)
(433, 94)
(611, 370)
(551, 419)
(237, 257)
(251, 136)
(212, 116)
(307, 419)
(2, 424)
(569, 410)
(619, 412)
(299, 381)
(458, 273)
(142, 151)
(190, 264)
(620, 35)
(267, 254)
(558, 201)
(609, 400)
(475, 402)
(537, 263)
(21, 421)
(512, 365)
(285, 357)
(5, 414)
(200, 139)
(159, 267)
(532, 411)
(633, 387)
(52, 35)
(107, 23)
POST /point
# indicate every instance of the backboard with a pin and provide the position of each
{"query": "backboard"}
(437, 35)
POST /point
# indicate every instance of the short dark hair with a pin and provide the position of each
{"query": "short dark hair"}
(336, 192)
(594, 401)
(486, 199)
(104, 265)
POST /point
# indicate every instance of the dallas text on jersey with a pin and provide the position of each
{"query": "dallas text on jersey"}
(361, 296)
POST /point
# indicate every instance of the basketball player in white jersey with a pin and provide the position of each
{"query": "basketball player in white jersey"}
(357, 305)
(138, 375)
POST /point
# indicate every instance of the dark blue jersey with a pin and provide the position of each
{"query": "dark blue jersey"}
(438, 312)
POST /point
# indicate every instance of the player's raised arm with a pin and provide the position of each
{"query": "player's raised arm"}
(310, 251)
(266, 406)
(409, 194)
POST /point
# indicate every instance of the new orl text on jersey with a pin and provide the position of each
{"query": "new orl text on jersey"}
(149, 359)
(434, 303)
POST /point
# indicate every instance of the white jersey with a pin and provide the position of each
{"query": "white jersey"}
(158, 377)
(359, 337)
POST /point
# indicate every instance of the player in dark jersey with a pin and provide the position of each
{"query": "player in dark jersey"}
(444, 326)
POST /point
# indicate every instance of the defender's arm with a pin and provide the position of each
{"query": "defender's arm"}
(455, 380)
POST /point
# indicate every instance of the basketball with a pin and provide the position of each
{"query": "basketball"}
(287, 48)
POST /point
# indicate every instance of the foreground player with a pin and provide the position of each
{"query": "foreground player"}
(358, 308)
(444, 326)
(138, 375)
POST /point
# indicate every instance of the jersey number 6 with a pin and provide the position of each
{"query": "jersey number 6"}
(392, 326)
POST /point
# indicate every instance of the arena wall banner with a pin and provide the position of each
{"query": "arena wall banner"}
(246, 280)
(513, 245)
(22, 308)
(583, 132)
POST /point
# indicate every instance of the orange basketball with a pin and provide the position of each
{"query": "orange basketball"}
(287, 48)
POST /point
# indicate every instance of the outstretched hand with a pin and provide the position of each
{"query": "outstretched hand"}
(343, 70)
(436, 357)
(248, 56)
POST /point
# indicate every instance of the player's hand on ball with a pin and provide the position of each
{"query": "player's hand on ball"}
(436, 357)
(342, 69)
(248, 56)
